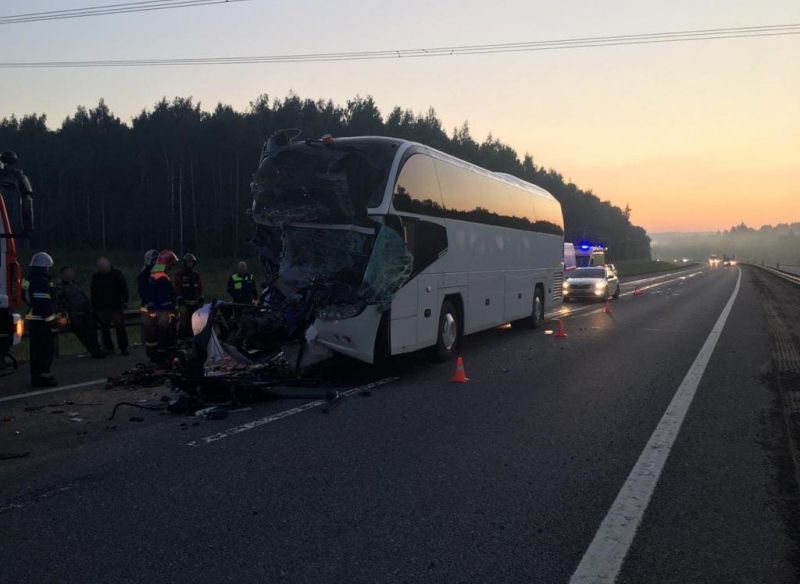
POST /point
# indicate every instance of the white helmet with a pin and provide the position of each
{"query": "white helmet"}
(150, 257)
(41, 260)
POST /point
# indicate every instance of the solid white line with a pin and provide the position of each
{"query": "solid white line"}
(285, 414)
(665, 275)
(565, 311)
(603, 559)
(52, 390)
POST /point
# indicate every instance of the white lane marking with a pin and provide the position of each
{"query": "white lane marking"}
(52, 390)
(603, 559)
(285, 414)
(659, 277)
(566, 311)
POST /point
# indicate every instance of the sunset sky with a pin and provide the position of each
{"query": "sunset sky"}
(695, 136)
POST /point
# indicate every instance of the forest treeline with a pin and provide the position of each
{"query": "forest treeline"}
(179, 176)
(769, 244)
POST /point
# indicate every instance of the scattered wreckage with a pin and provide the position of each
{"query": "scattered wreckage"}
(325, 260)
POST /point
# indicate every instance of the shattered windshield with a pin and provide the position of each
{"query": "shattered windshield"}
(311, 182)
(340, 254)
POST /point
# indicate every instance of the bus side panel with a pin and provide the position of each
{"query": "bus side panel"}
(484, 300)
(428, 309)
(519, 294)
(404, 318)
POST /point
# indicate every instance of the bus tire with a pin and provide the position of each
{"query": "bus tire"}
(449, 333)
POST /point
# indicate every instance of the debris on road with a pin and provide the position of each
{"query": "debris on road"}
(13, 455)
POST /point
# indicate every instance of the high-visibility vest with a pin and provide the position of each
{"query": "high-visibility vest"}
(239, 281)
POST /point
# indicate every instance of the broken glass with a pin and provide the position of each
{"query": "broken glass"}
(388, 269)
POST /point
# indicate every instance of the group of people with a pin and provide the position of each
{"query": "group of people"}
(169, 297)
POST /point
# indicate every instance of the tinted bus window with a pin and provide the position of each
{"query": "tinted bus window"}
(417, 188)
(472, 196)
(548, 216)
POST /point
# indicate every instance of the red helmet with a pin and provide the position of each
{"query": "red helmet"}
(167, 258)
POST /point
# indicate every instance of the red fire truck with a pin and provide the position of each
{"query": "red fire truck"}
(14, 187)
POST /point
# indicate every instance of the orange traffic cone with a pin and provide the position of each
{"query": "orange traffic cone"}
(637, 291)
(561, 332)
(459, 376)
(607, 309)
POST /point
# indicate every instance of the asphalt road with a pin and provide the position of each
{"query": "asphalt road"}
(505, 479)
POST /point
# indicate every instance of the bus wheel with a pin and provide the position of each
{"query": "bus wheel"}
(537, 317)
(449, 334)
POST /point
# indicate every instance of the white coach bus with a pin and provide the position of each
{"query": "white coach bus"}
(487, 250)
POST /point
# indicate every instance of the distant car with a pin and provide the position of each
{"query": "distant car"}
(597, 282)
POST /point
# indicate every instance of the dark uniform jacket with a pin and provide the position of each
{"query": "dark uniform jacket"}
(188, 287)
(143, 284)
(242, 288)
(160, 296)
(109, 290)
(39, 295)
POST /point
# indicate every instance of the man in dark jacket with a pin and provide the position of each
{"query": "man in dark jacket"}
(109, 299)
(242, 286)
(41, 318)
(75, 305)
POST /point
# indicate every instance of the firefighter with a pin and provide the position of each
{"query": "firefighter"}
(41, 318)
(149, 320)
(242, 286)
(188, 294)
(161, 304)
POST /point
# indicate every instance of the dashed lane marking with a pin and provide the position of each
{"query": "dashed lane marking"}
(605, 556)
(51, 390)
(285, 414)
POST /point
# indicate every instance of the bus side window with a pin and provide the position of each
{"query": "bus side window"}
(427, 242)
(417, 188)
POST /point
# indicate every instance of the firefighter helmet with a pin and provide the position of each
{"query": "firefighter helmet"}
(167, 257)
(8, 157)
(190, 257)
(41, 260)
(150, 257)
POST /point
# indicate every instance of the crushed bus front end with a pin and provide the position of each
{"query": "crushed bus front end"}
(331, 267)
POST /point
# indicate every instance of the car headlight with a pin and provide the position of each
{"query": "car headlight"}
(565, 285)
(600, 285)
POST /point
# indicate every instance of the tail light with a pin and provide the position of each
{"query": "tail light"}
(14, 283)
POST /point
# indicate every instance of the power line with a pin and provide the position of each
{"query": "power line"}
(119, 8)
(528, 46)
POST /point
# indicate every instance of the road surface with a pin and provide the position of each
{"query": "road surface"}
(555, 463)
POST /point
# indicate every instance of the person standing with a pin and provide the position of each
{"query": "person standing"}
(149, 320)
(109, 298)
(77, 308)
(188, 294)
(242, 286)
(41, 319)
(161, 304)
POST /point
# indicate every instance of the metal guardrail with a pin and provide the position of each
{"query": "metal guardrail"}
(780, 273)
